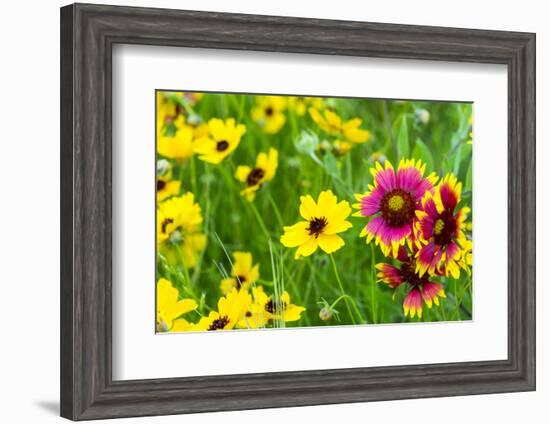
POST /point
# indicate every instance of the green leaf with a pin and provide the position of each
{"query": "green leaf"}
(422, 152)
(403, 147)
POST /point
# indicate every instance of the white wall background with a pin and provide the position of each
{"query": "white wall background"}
(29, 210)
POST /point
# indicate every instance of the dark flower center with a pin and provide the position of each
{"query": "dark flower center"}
(160, 185)
(254, 176)
(219, 324)
(222, 145)
(444, 228)
(272, 307)
(408, 272)
(397, 207)
(165, 223)
(269, 111)
(316, 225)
(239, 281)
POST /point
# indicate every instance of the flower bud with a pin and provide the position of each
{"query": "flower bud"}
(422, 116)
(325, 314)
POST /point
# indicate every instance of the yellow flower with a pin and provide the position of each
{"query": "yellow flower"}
(178, 146)
(268, 113)
(167, 110)
(243, 274)
(178, 227)
(231, 310)
(300, 104)
(333, 125)
(266, 308)
(323, 221)
(166, 187)
(224, 137)
(169, 308)
(254, 178)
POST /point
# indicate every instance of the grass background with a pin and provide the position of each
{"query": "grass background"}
(231, 223)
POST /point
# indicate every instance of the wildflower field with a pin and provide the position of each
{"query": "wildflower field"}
(281, 211)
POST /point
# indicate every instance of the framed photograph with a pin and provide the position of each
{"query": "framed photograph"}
(267, 211)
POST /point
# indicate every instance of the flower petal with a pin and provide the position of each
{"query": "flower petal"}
(330, 242)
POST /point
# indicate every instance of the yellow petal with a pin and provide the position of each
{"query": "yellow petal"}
(308, 207)
(326, 202)
(307, 248)
(295, 235)
(330, 242)
(242, 173)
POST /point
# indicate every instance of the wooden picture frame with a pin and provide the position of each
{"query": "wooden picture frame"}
(88, 33)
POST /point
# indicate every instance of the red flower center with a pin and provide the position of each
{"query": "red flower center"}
(397, 207)
(408, 272)
(444, 228)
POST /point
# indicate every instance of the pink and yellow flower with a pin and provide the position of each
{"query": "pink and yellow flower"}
(420, 288)
(442, 243)
(392, 201)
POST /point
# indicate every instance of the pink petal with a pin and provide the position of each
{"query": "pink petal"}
(370, 203)
(386, 179)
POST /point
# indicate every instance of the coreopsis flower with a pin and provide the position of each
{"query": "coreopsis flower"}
(243, 273)
(223, 138)
(167, 110)
(392, 202)
(324, 219)
(166, 187)
(254, 178)
(266, 308)
(333, 125)
(170, 309)
(231, 310)
(300, 104)
(441, 239)
(269, 113)
(178, 229)
(178, 146)
(420, 288)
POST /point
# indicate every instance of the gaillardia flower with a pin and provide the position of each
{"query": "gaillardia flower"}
(169, 308)
(223, 138)
(392, 202)
(269, 113)
(323, 221)
(420, 288)
(266, 308)
(243, 273)
(231, 310)
(254, 178)
(442, 243)
(178, 229)
(333, 125)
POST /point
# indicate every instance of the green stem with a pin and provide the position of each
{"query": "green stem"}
(335, 268)
(275, 208)
(352, 300)
(260, 220)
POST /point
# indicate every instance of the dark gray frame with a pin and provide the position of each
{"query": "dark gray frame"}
(88, 33)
